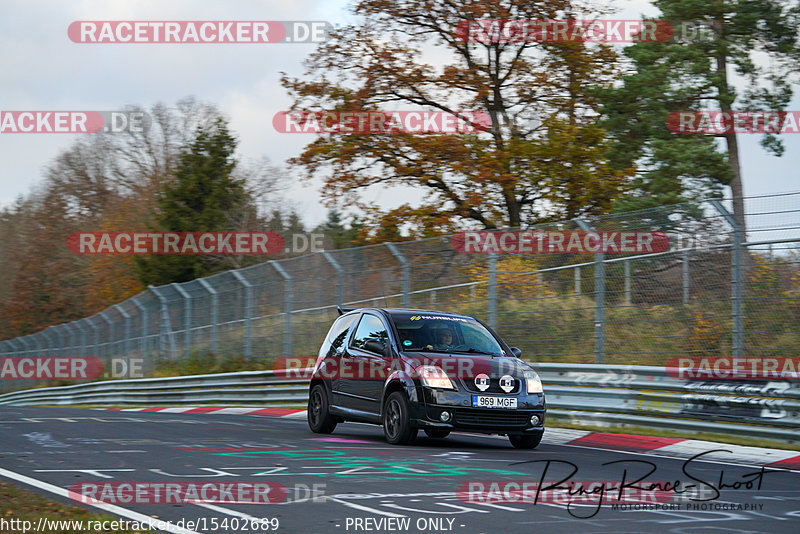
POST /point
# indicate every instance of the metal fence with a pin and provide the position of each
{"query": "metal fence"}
(718, 290)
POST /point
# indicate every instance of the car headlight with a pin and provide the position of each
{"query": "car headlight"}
(433, 376)
(532, 381)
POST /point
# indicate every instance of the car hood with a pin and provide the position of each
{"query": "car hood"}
(468, 366)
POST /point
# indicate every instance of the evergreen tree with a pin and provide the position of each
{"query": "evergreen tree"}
(204, 196)
(337, 233)
(692, 71)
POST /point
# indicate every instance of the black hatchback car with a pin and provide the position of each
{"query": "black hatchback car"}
(413, 369)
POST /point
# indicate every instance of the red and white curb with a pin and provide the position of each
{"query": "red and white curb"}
(288, 413)
(675, 447)
(659, 446)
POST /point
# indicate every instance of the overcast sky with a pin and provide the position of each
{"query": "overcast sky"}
(43, 70)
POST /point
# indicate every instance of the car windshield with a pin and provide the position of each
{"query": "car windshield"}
(443, 333)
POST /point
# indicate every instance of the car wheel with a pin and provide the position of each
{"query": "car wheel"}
(437, 433)
(525, 442)
(396, 421)
(319, 418)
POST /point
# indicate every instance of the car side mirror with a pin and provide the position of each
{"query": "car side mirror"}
(375, 346)
(516, 352)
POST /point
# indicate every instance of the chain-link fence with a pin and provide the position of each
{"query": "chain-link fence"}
(718, 290)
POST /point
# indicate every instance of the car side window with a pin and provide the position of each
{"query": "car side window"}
(369, 329)
(337, 336)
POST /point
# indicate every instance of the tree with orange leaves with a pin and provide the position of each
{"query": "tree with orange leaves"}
(542, 156)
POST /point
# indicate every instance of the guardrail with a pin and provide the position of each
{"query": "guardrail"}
(588, 394)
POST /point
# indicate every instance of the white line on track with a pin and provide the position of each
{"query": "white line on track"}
(228, 511)
(111, 508)
(363, 508)
(492, 505)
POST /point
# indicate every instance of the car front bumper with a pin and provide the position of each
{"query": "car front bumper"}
(464, 417)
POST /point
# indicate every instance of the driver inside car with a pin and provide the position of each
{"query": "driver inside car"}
(444, 339)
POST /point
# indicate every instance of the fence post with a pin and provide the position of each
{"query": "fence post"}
(66, 339)
(339, 275)
(599, 299)
(406, 271)
(287, 333)
(110, 324)
(577, 281)
(187, 317)
(213, 293)
(685, 271)
(166, 327)
(627, 265)
(96, 337)
(126, 344)
(73, 343)
(143, 310)
(74, 333)
(736, 278)
(248, 312)
(492, 290)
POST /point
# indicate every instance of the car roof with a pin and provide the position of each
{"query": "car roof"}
(391, 311)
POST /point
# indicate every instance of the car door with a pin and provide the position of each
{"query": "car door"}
(368, 364)
(333, 349)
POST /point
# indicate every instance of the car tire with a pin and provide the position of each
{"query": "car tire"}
(320, 419)
(526, 442)
(438, 434)
(397, 421)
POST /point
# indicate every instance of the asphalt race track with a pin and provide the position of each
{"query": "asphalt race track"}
(353, 481)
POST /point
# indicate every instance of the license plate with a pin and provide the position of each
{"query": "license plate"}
(480, 401)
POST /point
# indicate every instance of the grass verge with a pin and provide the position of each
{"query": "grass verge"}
(18, 506)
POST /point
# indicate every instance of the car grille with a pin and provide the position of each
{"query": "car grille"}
(494, 386)
(492, 418)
